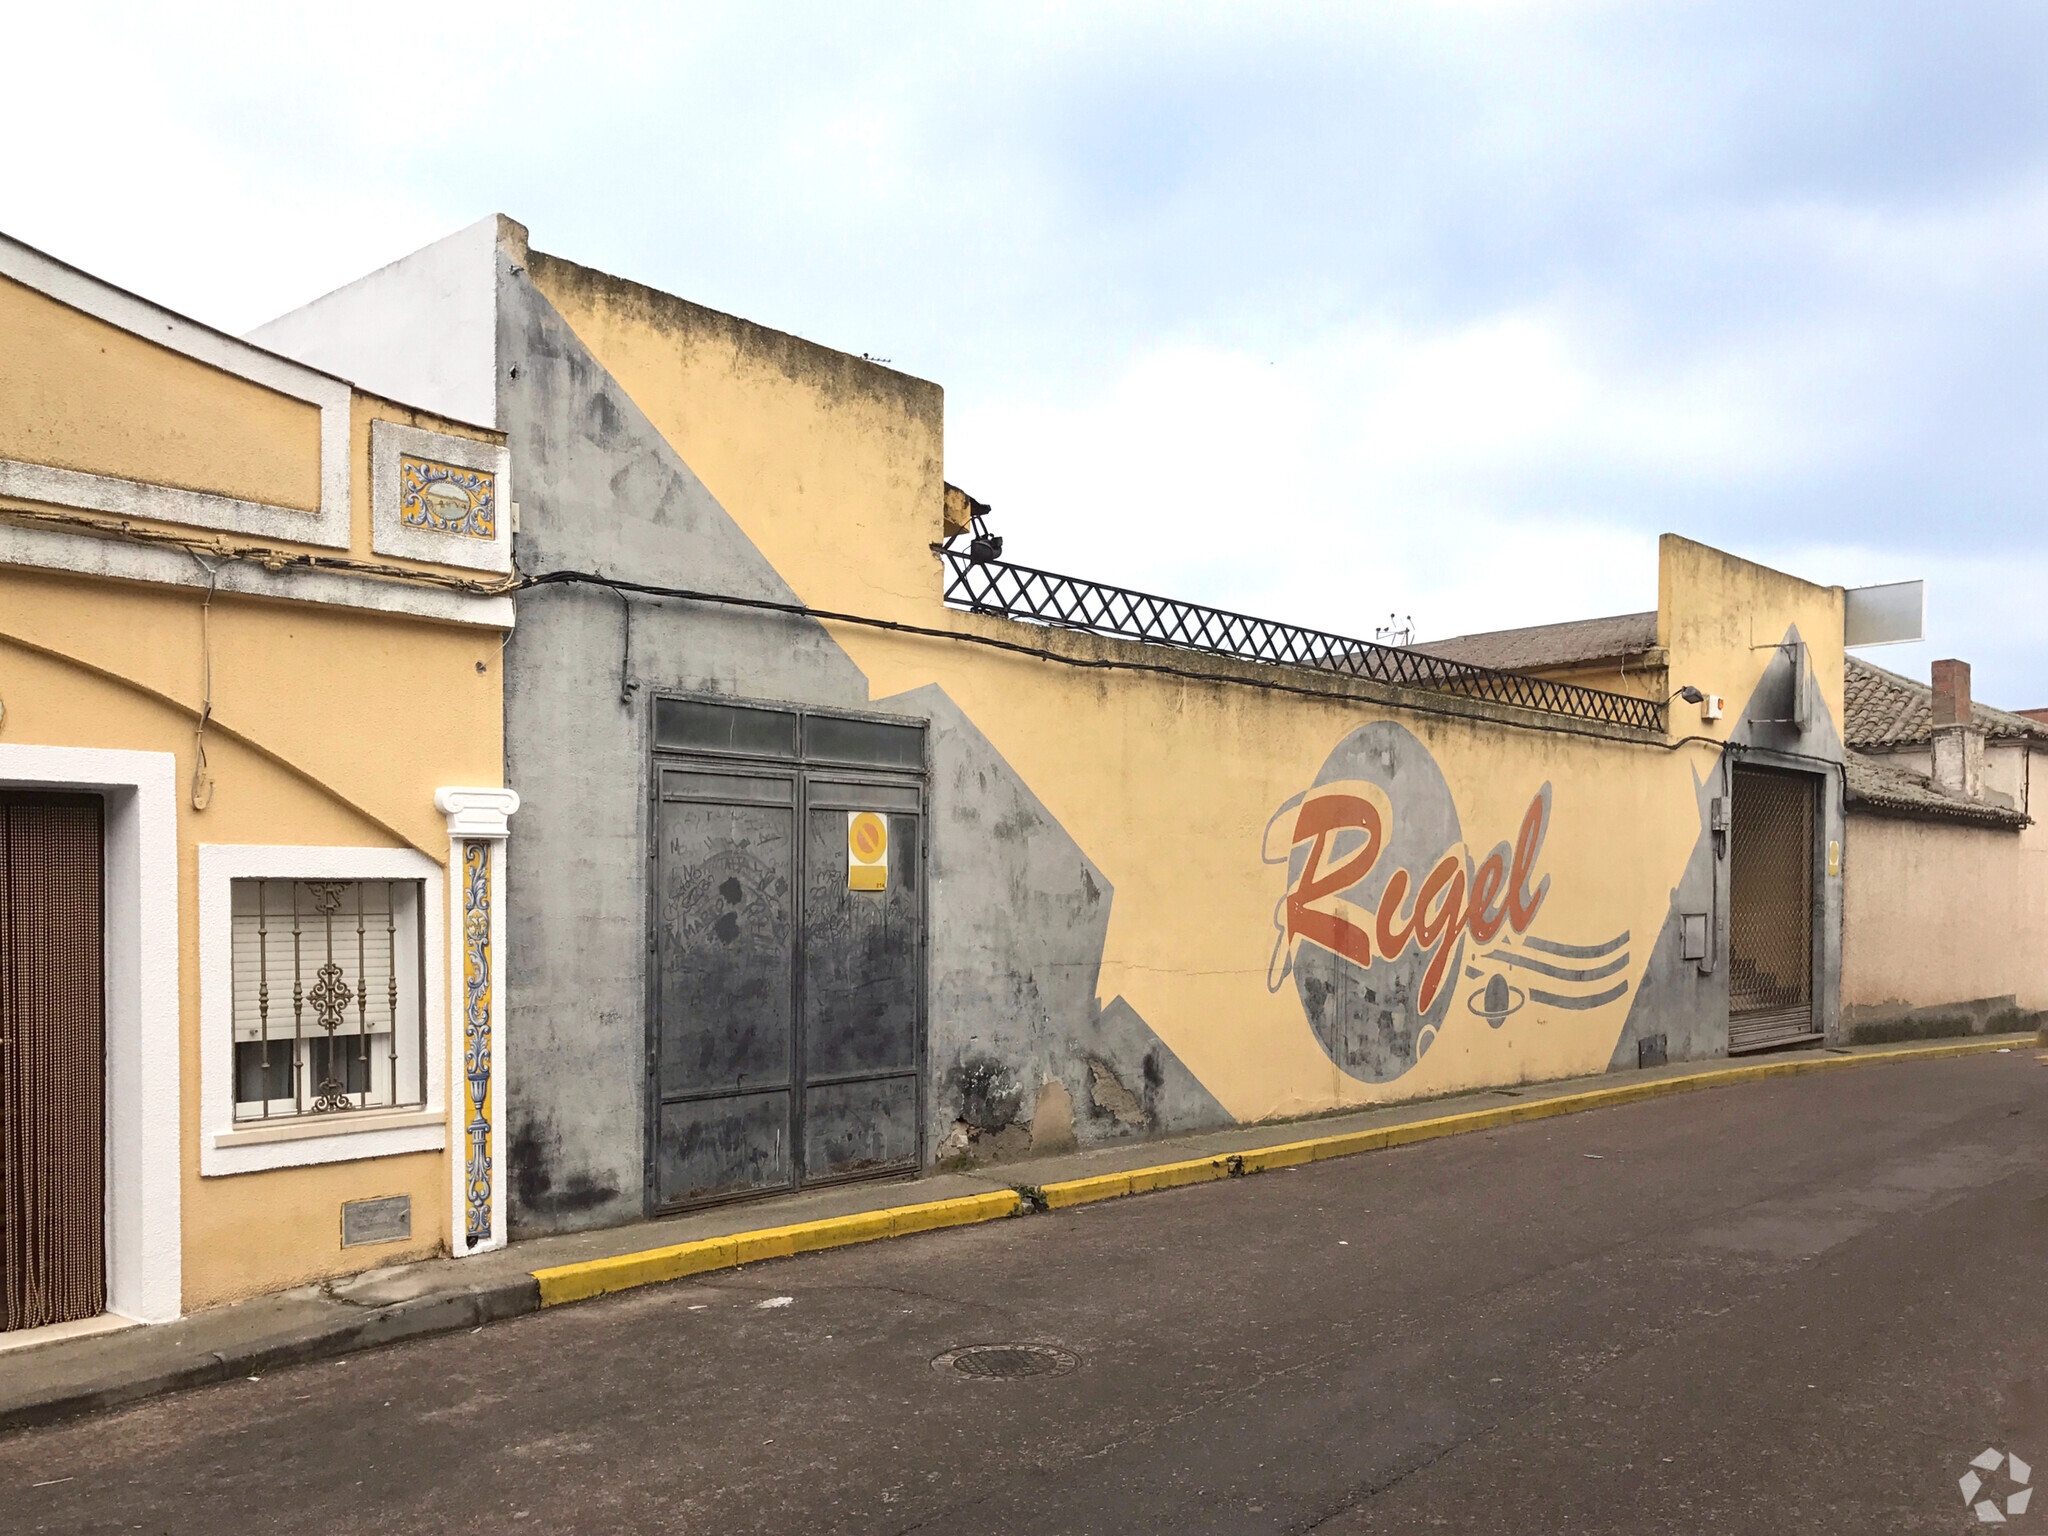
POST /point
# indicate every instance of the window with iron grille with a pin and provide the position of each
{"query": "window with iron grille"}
(327, 997)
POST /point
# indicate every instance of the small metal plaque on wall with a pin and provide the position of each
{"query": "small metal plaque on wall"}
(385, 1220)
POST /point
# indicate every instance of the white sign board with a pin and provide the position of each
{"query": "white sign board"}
(1892, 614)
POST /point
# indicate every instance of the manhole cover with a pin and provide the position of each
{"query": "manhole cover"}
(1006, 1362)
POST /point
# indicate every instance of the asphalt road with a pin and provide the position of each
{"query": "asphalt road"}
(1796, 1305)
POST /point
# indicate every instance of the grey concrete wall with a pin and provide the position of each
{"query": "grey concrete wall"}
(1020, 1056)
(602, 491)
(1023, 1055)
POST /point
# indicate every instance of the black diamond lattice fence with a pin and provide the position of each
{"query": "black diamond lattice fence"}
(1068, 602)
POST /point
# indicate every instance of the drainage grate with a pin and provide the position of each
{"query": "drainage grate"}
(1006, 1362)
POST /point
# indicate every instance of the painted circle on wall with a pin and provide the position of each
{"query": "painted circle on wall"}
(1365, 1017)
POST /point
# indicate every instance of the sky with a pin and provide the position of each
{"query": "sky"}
(1324, 313)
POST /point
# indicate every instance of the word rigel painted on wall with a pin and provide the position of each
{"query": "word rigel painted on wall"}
(1383, 893)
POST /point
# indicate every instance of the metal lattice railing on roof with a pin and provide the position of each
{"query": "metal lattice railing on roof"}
(1067, 602)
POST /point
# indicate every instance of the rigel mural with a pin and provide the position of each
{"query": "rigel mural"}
(1384, 899)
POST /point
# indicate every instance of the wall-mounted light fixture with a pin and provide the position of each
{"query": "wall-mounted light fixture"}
(1711, 704)
(984, 546)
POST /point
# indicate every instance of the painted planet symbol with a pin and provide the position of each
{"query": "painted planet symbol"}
(1496, 1000)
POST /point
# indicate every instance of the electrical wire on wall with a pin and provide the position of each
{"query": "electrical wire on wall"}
(277, 560)
(202, 781)
(270, 557)
(626, 683)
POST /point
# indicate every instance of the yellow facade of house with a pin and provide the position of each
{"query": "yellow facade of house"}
(257, 654)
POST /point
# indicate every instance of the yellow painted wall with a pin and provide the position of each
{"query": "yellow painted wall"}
(1721, 618)
(832, 468)
(1169, 789)
(1646, 682)
(78, 393)
(248, 1233)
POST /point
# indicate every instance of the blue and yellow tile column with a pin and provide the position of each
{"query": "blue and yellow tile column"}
(478, 824)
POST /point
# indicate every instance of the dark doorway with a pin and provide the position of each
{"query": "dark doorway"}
(52, 1050)
(1771, 888)
(788, 950)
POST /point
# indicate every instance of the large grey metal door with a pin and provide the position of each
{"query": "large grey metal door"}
(1771, 860)
(788, 984)
(725, 930)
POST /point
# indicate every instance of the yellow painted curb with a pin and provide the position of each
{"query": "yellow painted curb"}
(597, 1277)
(1107, 1186)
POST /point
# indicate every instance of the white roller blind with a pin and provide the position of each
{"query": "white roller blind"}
(263, 916)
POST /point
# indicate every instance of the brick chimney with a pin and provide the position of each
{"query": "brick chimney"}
(1958, 744)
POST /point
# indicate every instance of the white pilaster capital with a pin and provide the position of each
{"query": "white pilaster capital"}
(476, 812)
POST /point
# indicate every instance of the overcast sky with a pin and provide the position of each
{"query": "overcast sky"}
(1323, 313)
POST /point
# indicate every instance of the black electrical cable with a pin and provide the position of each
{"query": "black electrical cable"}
(1042, 653)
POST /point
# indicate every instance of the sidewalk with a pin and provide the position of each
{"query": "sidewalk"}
(79, 1374)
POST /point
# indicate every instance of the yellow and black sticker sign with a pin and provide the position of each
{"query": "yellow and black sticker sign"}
(867, 852)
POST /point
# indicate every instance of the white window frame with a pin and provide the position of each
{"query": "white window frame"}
(145, 1236)
(228, 1146)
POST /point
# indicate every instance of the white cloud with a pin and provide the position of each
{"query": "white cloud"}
(1317, 310)
(1376, 470)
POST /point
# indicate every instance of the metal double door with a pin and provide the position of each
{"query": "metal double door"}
(788, 1005)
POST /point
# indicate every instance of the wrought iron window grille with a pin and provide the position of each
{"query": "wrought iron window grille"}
(328, 986)
(1069, 602)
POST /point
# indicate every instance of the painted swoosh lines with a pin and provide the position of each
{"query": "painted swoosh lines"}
(1559, 972)
(1590, 1000)
(1583, 979)
(1577, 951)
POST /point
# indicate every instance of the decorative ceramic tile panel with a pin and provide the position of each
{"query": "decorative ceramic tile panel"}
(476, 1035)
(441, 498)
(447, 498)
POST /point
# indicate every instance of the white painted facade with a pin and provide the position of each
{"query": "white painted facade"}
(422, 331)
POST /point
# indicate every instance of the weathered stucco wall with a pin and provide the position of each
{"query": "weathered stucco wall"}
(1113, 946)
(77, 393)
(1732, 628)
(1940, 916)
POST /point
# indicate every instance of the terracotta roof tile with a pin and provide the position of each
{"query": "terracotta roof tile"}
(1550, 645)
(1884, 786)
(1886, 710)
